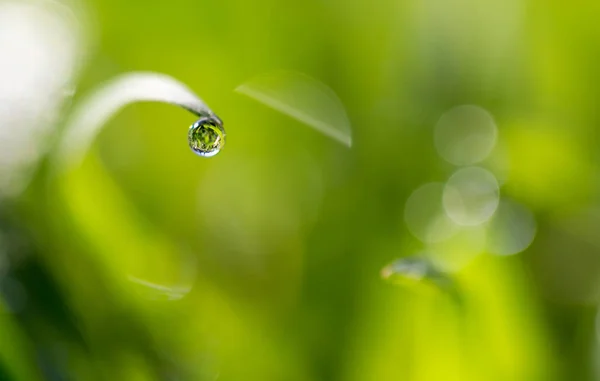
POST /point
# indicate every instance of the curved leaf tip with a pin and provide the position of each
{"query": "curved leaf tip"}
(304, 99)
(93, 112)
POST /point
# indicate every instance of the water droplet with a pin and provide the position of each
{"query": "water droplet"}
(414, 269)
(95, 110)
(419, 270)
(207, 136)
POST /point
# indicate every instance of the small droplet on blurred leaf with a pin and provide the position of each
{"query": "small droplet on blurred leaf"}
(302, 98)
(417, 270)
(207, 136)
(412, 270)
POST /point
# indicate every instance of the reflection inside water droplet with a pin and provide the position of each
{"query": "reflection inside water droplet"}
(207, 136)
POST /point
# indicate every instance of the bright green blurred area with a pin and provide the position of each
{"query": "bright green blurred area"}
(263, 263)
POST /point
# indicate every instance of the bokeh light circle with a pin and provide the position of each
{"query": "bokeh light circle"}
(511, 230)
(471, 196)
(465, 135)
(424, 214)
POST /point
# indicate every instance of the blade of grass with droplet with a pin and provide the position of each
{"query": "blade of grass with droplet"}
(304, 99)
(414, 269)
(420, 270)
(94, 111)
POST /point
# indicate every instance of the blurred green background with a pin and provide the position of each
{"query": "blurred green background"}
(263, 263)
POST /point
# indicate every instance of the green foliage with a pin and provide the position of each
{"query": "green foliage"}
(147, 262)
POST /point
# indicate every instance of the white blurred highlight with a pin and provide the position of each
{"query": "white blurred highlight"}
(511, 230)
(168, 292)
(304, 99)
(465, 135)
(173, 286)
(471, 196)
(41, 46)
(424, 215)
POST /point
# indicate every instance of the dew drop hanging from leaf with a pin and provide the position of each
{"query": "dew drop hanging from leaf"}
(83, 188)
(92, 113)
(207, 136)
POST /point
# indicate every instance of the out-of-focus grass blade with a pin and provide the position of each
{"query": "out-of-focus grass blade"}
(150, 262)
(303, 98)
(16, 356)
(94, 111)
